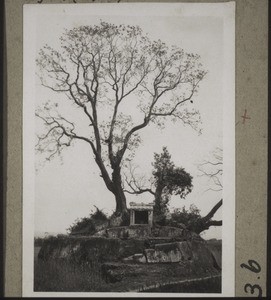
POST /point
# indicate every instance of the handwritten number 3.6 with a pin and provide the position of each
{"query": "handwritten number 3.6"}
(252, 266)
(252, 288)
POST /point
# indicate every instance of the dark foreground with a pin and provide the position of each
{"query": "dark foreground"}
(66, 276)
(172, 260)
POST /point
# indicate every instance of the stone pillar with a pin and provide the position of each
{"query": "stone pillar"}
(150, 214)
(132, 217)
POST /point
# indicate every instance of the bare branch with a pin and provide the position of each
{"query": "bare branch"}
(98, 68)
(213, 170)
(212, 211)
(135, 183)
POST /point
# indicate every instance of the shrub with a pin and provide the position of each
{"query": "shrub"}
(88, 224)
(38, 241)
(184, 216)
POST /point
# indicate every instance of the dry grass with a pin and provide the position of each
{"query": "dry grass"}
(67, 276)
(63, 275)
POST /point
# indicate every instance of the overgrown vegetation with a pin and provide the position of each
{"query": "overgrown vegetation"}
(63, 275)
(192, 220)
(38, 241)
(66, 276)
(189, 218)
(75, 264)
(184, 217)
(89, 224)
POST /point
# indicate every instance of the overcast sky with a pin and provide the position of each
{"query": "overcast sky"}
(69, 190)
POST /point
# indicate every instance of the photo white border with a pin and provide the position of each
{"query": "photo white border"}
(225, 10)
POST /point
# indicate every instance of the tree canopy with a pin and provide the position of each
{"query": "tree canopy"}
(169, 180)
(174, 180)
(98, 71)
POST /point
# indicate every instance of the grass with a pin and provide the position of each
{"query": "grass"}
(63, 275)
(66, 276)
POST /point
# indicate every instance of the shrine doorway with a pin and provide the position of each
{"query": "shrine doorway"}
(141, 217)
(141, 213)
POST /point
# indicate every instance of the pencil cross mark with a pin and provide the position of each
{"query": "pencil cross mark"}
(245, 117)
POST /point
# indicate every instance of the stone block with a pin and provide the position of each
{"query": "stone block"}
(151, 256)
(164, 253)
(136, 258)
(139, 258)
(169, 252)
(134, 231)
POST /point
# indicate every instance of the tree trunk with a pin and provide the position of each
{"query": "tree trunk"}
(160, 208)
(121, 206)
(158, 198)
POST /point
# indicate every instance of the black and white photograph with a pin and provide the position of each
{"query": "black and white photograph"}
(128, 149)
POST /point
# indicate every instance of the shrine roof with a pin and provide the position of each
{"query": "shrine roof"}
(141, 206)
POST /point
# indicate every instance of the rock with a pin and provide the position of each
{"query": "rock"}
(136, 258)
(180, 251)
(140, 258)
(164, 253)
(151, 256)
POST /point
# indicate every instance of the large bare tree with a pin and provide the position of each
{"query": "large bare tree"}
(99, 70)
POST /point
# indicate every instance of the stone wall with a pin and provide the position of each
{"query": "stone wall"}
(145, 231)
(133, 231)
(132, 262)
(132, 249)
(177, 252)
(82, 249)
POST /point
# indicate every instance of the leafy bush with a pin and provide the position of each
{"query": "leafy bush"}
(38, 241)
(184, 216)
(168, 180)
(88, 224)
(99, 215)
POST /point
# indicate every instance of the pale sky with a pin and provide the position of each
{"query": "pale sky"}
(64, 192)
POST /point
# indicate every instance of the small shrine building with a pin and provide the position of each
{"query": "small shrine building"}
(141, 213)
